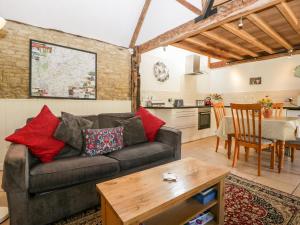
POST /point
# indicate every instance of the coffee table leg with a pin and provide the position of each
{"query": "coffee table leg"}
(108, 215)
(218, 210)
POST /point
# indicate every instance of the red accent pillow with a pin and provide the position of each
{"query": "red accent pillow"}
(151, 123)
(37, 136)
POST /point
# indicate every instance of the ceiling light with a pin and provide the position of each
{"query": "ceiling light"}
(290, 53)
(2, 22)
(241, 23)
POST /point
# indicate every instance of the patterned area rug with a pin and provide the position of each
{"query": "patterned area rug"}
(246, 203)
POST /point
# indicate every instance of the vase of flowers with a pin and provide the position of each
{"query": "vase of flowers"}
(267, 104)
(216, 98)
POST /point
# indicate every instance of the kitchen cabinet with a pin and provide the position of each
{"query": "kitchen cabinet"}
(293, 113)
(186, 120)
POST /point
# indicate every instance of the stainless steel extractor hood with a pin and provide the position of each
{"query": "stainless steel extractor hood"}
(192, 65)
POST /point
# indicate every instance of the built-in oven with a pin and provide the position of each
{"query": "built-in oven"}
(203, 118)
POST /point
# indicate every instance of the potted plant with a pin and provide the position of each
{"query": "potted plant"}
(267, 104)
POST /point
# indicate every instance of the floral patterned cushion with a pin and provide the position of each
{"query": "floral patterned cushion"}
(102, 141)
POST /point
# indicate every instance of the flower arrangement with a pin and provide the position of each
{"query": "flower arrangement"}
(266, 102)
(216, 97)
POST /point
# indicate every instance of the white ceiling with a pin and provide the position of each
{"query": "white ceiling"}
(111, 21)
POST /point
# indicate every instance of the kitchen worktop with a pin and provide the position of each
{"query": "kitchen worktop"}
(173, 107)
(190, 107)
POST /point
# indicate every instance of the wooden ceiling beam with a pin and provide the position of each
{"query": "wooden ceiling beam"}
(261, 58)
(289, 15)
(139, 23)
(189, 6)
(209, 47)
(220, 39)
(256, 20)
(247, 37)
(227, 12)
(188, 47)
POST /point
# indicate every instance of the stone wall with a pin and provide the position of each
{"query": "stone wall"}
(113, 62)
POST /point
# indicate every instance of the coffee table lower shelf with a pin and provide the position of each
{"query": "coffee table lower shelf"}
(181, 213)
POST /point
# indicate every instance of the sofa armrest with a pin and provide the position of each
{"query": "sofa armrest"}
(16, 169)
(172, 137)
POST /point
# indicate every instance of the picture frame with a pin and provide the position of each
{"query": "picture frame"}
(255, 81)
(61, 72)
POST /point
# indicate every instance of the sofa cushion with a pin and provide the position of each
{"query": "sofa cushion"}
(107, 120)
(151, 123)
(103, 141)
(37, 135)
(69, 130)
(70, 171)
(133, 130)
(141, 154)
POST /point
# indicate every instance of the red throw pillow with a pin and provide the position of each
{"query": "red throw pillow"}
(37, 136)
(151, 123)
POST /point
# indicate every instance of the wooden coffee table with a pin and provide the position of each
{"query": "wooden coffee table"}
(144, 197)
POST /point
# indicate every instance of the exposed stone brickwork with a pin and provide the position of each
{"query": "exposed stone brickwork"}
(113, 62)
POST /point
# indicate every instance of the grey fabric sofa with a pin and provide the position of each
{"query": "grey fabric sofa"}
(44, 193)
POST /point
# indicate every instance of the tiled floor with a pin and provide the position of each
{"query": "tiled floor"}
(288, 180)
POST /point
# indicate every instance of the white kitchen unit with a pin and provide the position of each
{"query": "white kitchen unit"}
(293, 113)
(186, 120)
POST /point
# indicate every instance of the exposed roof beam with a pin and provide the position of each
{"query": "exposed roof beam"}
(289, 15)
(215, 65)
(139, 23)
(229, 43)
(227, 12)
(209, 47)
(190, 48)
(255, 19)
(247, 37)
(189, 6)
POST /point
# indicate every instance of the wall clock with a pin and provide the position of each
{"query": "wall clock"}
(161, 72)
(297, 71)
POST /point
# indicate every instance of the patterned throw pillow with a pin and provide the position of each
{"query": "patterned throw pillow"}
(102, 141)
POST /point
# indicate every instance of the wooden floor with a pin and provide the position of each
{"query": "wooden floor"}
(288, 180)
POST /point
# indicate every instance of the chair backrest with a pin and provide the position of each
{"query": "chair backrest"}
(219, 110)
(277, 109)
(247, 122)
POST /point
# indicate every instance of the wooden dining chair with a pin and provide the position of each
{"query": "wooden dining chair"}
(220, 112)
(293, 145)
(247, 120)
(277, 109)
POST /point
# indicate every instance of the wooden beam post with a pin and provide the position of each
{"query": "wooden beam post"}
(227, 12)
(135, 80)
(139, 23)
(189, 6)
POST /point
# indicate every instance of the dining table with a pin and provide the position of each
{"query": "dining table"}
(277, 129)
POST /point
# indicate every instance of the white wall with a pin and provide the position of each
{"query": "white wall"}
(277, 75)
(278, 80)
(14, 112)
(184, 86)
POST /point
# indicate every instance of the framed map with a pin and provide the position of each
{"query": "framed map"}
(62, 72)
